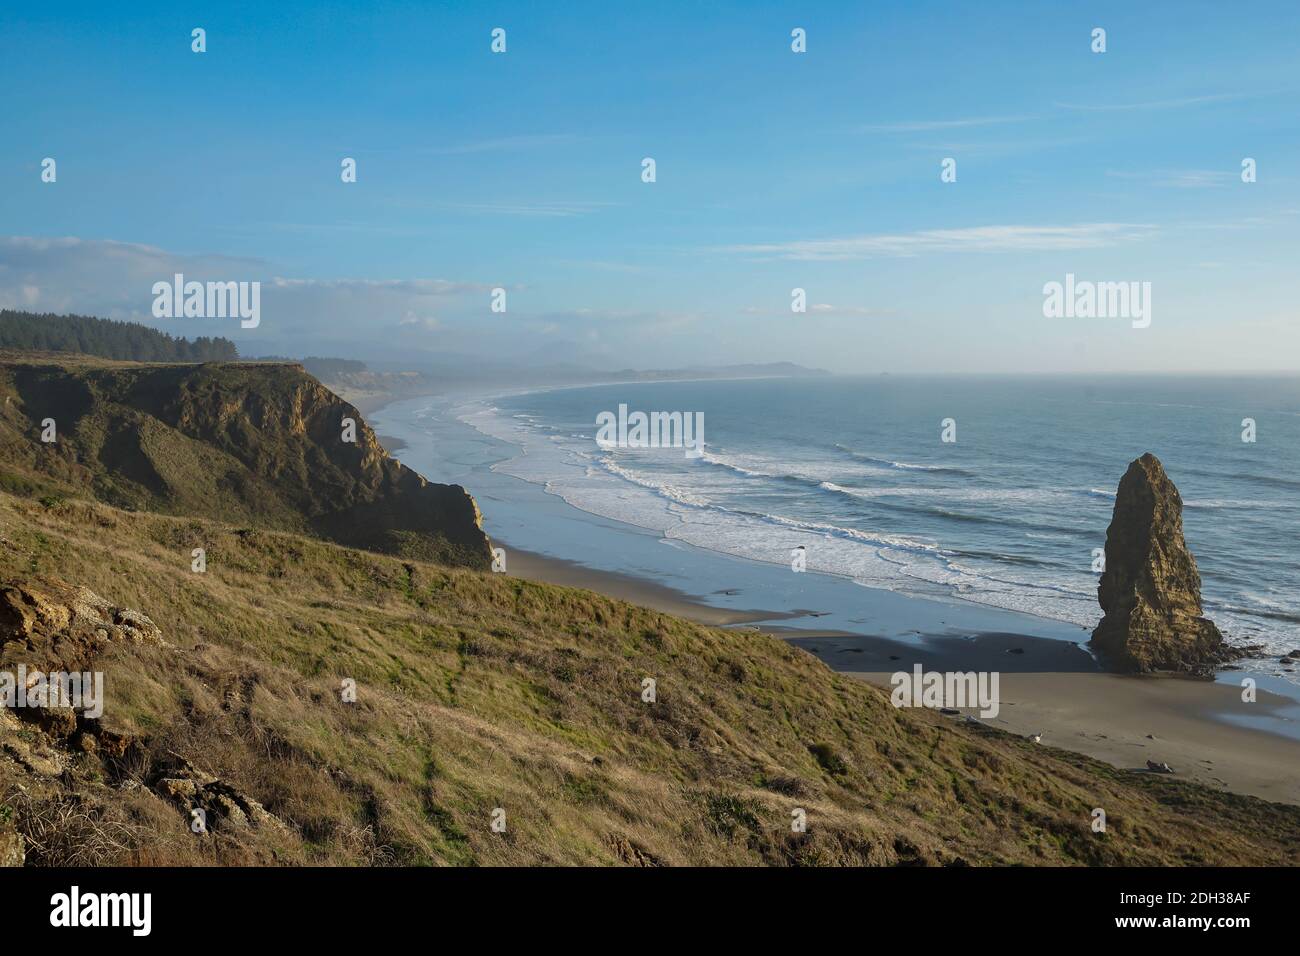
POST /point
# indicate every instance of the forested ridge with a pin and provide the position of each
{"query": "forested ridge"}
(107, 338)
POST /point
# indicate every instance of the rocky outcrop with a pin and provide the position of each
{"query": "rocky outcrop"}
(48, 625)
(1150, 590)
(73, 621)
(221, 804)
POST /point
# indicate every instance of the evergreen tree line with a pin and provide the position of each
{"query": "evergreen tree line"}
(107, 338)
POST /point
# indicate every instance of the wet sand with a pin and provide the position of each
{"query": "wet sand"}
(1127, 721)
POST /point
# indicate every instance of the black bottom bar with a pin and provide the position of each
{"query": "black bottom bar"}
(333, 906)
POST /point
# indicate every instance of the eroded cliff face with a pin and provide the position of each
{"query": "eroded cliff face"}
(263, 444)
(1151, 590)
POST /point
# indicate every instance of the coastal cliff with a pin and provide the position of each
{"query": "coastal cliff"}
(1150, 590)
(262, 444)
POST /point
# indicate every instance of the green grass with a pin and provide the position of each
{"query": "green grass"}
(478, 691)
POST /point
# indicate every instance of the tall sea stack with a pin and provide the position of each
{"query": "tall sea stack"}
(1150, 592)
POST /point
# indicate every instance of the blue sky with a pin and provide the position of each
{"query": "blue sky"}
(775, 170)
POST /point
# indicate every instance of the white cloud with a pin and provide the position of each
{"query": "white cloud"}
(826, 308)
(115, 280)
(398, 319)
(1004, 238)
(428, 323)
(407, 286)
(1149, 104)
(100, 276)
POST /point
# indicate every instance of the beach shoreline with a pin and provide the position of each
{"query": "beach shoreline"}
(1049, 680)
(1201, 728)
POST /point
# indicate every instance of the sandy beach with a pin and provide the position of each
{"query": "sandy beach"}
(1126, 721)
(1202, 729)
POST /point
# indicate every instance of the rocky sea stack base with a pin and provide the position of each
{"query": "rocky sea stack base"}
(1150, 590)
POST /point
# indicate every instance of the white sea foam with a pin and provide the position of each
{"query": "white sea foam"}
(890, 463)
(759, 466)
(695, 504)
(596, 482)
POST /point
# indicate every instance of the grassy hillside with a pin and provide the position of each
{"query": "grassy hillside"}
(258, 444)
(478, 691)
(475, 692)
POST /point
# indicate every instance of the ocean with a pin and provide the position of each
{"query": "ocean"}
(855, 471)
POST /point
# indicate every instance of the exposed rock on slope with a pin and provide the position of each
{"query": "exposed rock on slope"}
(193, 789)
(63, 753)
(56, 611)
(1151, 591)
(254, 443)
(477, 691)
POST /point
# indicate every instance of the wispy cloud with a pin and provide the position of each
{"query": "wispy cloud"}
(1004, 238)
(1179, 178)
(975, 122)
(395, 318)
(22, 251)
(115, 279)
(405, 286)
(1149, 104)
(826, 308)
(426, 323)
(102, 276)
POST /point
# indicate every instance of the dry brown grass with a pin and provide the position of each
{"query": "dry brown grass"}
(479, 691)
